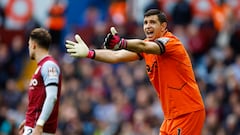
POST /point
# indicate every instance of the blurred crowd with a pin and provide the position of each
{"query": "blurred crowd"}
(118, 99)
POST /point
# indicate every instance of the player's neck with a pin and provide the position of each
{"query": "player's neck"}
(164, 32)
(40, 55)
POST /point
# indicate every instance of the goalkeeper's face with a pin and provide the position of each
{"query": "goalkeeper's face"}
(153, 28)
(31, 47)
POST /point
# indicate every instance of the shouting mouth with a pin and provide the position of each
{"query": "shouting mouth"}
(149, 34)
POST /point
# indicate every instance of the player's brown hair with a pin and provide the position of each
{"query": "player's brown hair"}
(42, 37)
(161, 15)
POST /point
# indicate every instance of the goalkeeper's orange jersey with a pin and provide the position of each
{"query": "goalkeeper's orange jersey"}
(172, 76)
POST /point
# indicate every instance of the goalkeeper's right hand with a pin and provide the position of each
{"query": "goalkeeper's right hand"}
(79, 48)
(114, 41)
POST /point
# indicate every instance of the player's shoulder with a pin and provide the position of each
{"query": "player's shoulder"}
(166, 38)
(170, 38)
(163, 40)
(50, 66)
(50, 63)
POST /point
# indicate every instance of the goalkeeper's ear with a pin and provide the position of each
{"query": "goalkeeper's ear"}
(113, 31)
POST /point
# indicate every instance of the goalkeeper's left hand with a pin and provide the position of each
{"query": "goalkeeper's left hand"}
(79, 48)
(113, 41)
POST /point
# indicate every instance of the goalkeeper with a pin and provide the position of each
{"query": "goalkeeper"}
(168, 66)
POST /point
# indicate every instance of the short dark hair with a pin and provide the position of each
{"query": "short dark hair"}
(42, 37)
(161, 15)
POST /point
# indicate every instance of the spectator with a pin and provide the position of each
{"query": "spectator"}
(12, 94)
(56, 22)
(182, 13)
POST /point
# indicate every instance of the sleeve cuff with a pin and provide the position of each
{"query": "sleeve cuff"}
(40, 122)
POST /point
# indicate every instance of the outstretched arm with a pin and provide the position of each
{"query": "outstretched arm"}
(139, 46)
(115, 42)
(80, 49)
(110, 56)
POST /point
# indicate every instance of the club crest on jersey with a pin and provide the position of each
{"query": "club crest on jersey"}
(52, 72)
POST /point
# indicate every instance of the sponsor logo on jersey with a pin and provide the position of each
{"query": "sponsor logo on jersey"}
(33, 82)
(150, 68)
